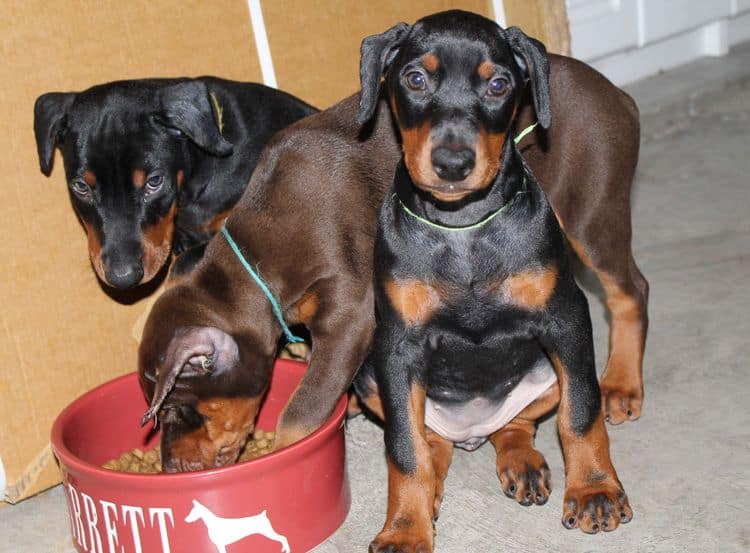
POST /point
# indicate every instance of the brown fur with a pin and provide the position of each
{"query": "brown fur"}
(589, 155)
(157, 243)
(229, 421)
(486, 70)
(95, 251)
(430, 62)
(89, 178)
(139, 178)
(622, 381)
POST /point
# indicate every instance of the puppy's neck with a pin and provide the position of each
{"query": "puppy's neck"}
(474, 207)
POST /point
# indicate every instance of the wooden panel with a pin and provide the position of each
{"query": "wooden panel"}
(61, 333)
(545, 20)
(315, 45)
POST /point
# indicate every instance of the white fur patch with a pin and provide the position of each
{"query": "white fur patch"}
(469, 424)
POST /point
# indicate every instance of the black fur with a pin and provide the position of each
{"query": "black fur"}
(479, 342)
(210, 130)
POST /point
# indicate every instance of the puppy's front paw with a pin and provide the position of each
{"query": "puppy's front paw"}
(403, 537)
(524, 476)
(593, 508)
(621, 402)
(404, 544)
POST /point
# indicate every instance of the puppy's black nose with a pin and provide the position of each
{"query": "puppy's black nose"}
(453, 165)
(124, 275)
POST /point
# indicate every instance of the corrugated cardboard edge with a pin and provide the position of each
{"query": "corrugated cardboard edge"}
(25, 485)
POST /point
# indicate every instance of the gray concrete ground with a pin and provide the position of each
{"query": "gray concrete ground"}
(686, 463)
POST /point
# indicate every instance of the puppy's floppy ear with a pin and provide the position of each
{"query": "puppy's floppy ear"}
(50, 113)
(187, 107)
(531, 56)
(376, 54)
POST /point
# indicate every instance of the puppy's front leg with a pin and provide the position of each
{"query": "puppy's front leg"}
(408, 526)
(339, 315)
(594, 497)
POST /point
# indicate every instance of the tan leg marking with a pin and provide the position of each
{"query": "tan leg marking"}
(594, 497)
(622, 381)
(522, 469)
(408, 525)
(442, 454)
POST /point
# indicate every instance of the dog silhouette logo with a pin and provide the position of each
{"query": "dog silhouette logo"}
(226, 531)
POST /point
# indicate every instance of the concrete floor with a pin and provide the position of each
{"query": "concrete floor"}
(686, 463)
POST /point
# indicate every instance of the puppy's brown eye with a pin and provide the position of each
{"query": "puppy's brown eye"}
(80, 188)
(154, 184)
(415, 80)
(497, 86)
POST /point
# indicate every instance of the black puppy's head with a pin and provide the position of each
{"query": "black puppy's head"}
(454, 81)
(125, 151)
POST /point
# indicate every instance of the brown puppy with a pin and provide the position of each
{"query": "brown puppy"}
(307, 221)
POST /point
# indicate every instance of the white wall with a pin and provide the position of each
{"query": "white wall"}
(628, 40)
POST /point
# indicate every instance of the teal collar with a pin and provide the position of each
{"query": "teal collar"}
(259, 281)
(489, 217)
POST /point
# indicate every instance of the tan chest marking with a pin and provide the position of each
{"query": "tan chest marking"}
(414, 300)
(531, 289)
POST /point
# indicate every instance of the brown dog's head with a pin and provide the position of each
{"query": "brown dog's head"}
(204, 384)
(125, 146)
(454, 81)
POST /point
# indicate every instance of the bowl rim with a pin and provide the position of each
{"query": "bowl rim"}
(289, 454)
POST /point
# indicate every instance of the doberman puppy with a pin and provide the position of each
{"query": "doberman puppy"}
(317, 258)
(480, 318)
(155, 165)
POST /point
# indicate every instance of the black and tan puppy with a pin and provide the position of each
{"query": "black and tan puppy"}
(154, 166)
(480, 318)
(308, 220)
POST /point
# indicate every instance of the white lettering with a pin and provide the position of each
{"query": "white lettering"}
(91, 518)
(109, 524)
(82, 513)
(129, 514)
(161, 514)
(78, 523)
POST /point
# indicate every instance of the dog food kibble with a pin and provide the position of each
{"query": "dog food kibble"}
(149, 462)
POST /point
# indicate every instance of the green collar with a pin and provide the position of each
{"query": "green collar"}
(478, 224)
(489, 217)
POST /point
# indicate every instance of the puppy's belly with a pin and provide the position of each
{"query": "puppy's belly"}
(469, 424)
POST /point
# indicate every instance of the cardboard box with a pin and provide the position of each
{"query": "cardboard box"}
(62, 333)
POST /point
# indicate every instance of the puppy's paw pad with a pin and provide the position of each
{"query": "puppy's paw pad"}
(379, 545)
(524, 476)
(593, 510)
(621, 404)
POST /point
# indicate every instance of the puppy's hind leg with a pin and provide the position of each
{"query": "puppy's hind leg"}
(521, 468)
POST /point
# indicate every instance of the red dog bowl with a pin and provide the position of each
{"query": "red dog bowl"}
(288, 501)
